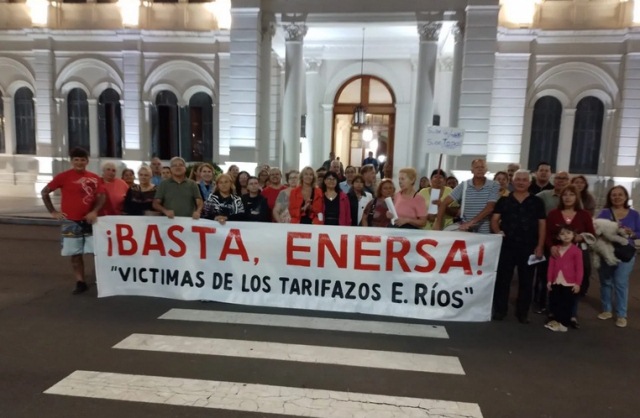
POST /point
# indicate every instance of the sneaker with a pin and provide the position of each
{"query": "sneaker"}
(81, 287)
(574, 323)
(540, 311)
(551, 325)
(621, 322)
(560, 328)
(605, 315)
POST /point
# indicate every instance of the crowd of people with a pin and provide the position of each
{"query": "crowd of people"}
(546, 226)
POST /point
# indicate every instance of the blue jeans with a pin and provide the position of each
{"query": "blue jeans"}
(615, 278)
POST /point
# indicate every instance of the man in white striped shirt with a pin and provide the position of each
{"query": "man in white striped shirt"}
(479, 200)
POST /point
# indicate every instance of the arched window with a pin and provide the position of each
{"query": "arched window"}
(352, 142)
(165, 126)
(78, 119)
(2, 146)
(25, 122)
(110, 124)
(587, 134)
(199, 145)
(545, 131)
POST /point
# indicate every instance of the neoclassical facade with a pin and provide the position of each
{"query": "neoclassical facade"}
(286, 82)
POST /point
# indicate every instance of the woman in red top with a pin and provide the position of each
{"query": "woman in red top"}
(570, 212)
(336, 209)
(305, 201)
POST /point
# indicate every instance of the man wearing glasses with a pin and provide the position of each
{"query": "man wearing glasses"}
(273, 188)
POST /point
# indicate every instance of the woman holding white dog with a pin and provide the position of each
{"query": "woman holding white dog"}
(616, 278)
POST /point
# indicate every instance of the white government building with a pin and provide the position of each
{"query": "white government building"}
(281, 82)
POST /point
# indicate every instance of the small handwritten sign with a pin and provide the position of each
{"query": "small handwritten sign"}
(443, 140)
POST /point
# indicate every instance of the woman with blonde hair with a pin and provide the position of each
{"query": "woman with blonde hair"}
(305, 201)
(375, 213)
(206, 183)
(411, 208)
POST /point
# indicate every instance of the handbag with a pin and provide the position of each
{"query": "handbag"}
(623, 252)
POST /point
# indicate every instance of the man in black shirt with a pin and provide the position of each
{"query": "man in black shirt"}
(543, 175)
(255, 205)
(520, 219)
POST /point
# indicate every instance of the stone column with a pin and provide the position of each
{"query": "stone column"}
(60, 144)
(313, 110)
(425, 83)
(293, 94)
(263, 141)
(456, 31)
(94, 134)
(9, 126)
(327, 135)
(608, 143)
(245, 84)
(136, 137)
(565, 140)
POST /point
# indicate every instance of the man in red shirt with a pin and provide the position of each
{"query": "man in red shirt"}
(82, 198)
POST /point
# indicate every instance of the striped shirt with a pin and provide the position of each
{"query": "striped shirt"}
(476, 200)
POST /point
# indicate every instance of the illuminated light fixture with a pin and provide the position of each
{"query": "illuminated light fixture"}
(130, 12)
(39, 11)
(373, 146)
(520, 12)
(360, 113)
(367, 135)
(221, 10)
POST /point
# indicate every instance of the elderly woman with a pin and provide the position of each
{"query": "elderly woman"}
(335, 204)
(128, 176)
(305, 201)
(115, 190)
(139, 198)
(616, 278)
(358, 199)
(411, 208)
(375, 213)
(223, 204)
(281, 208)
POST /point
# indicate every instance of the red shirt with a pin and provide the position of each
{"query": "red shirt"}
(79, 190)
(116, 191)
(581, 222)
(271, 195)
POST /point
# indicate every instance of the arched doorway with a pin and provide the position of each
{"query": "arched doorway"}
(351, 142)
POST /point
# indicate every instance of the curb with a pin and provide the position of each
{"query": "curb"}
(23, 220)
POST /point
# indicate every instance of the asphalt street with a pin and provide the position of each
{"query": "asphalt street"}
(510, 369)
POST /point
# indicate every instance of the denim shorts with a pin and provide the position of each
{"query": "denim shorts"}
(77, 238)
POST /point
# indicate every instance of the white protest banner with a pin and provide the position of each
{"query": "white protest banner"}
(443, 140)
(380, 271)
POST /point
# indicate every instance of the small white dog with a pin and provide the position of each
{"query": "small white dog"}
(607, 232)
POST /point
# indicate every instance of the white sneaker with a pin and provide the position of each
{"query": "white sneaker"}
(561, 328)
(605, 315)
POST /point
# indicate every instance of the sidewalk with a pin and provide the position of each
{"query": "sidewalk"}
(26, 211)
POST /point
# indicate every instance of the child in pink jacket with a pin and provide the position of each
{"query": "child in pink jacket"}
(564, 278)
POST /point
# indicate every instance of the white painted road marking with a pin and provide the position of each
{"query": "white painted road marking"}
(287, 321)
(293, 352)
(255, 398)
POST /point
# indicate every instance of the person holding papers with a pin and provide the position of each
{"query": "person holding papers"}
(433, 195)
(411, 209)
(520, 219)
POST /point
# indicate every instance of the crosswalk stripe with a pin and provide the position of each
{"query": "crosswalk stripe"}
(287, 321)
(254, 397)
(293, 352)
